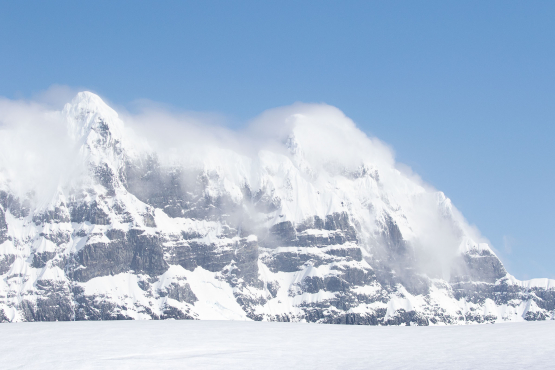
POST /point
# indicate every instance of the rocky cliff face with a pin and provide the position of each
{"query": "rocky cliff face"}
(298, 233)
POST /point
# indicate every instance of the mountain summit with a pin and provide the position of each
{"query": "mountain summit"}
(314, 223)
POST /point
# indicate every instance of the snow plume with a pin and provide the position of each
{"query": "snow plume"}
(324, 135)
(439, 234)
(56, 96)
(319, 151)
(178, 138)
(35, 150)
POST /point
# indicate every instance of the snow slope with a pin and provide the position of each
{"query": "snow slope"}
(248, 345)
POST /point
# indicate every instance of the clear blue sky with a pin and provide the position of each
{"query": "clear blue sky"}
(463, 90)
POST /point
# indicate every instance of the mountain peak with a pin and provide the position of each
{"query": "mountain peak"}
(86, 100)
(88, 112)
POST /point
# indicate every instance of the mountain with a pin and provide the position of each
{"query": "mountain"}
(304, 218)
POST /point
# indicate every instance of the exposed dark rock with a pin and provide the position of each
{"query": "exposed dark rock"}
(292, 261)
(92, 213)
(249, 304)
(407, 317)
(241, 255)
(94, 309)
(105, 176)
(13, 204)
(397, 250)
(352, 252)
(148, 219)
(54, 304)
(339, 223)
(179, 292)
(6, 261)
(56, 215)
(115, 234)
(535, 316)
(545, 299)
(3, 227)
(209, 256)
(356, 276)
(479, 266)
(246, 262)
(138, 251)
(175, 313)
(312, 284)
(273, 288)
(58, 237)
(3, 317)
(280, 235)
(40, 259)
(148, 256)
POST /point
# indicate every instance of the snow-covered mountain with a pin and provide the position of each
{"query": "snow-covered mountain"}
(307, 219)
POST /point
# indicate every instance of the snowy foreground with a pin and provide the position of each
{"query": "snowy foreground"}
(259, 345)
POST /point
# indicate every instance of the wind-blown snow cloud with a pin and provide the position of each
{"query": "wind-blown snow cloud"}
(324, 132)
(36, 153)
(36, 128)
(55, 97)
(34, 150)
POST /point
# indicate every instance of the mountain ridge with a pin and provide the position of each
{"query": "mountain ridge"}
(320, 226)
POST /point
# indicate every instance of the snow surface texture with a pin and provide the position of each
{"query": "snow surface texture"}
(243, 345)
(302, 217)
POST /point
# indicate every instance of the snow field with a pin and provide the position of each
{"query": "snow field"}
(263, 345)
